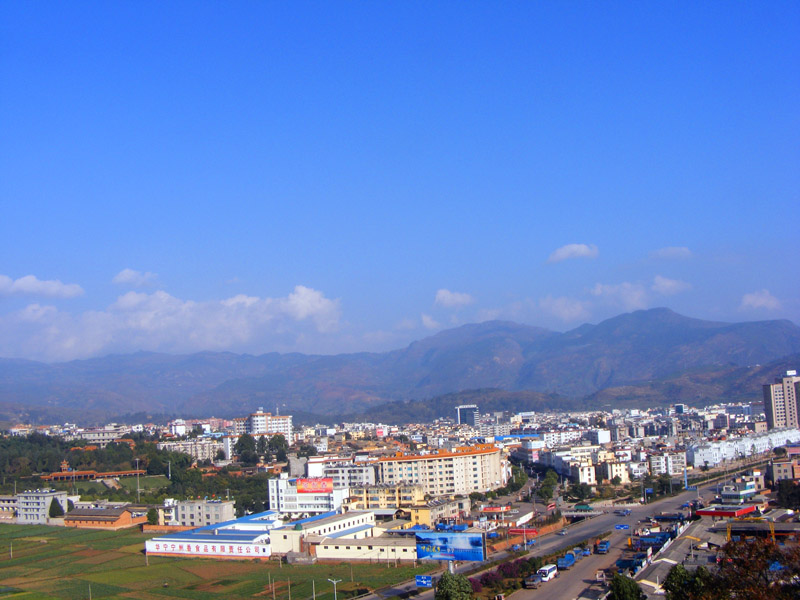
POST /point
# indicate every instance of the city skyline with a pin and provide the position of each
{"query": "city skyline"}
(329, 179)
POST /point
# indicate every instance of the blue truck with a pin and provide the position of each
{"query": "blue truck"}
(566, 561)
(602, 547)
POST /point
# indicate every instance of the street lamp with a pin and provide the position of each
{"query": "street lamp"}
(334, 582)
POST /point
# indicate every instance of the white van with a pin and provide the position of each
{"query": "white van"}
(548, 572)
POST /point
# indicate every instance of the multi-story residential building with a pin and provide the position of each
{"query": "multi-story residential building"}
(349, 474)
(439, 510)
(33, 507)
(713, 453)
(198, 448)
(461, 471)
(386, 496)
(305, 495)
(583, 473)
(529, 450)
(559, 437)
(610, 469)
(599, 436)
(199, 513)
(8, 509)
(637, 469)
(786, 468)
(667, 463)
(781, 401)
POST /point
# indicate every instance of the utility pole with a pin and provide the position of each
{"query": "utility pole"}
(313, 590)
(334, 582)
(169, 469)
(137, 480)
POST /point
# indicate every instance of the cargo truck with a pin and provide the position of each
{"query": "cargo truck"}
(566, 561)
(602, 547)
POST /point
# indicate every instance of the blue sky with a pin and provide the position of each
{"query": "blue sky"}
(336, 177)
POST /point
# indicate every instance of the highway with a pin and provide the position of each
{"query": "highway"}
(578, 581)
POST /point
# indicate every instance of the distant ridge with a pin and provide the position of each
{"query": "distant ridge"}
(619, 360)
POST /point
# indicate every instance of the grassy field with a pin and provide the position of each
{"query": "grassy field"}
(58, 563)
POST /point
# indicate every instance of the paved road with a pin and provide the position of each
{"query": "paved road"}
(577, 582)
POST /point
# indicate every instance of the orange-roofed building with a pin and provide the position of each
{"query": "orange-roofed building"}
(459, 471)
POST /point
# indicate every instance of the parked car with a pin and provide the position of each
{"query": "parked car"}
(532, 582)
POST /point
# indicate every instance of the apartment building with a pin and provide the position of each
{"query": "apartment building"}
(348, 474)
(386, 496)
(33, 507)
(462, 470)
(261, 422)
(198, 448)
(610, 469)
(781, 401)
(199, 513)
(668, 463)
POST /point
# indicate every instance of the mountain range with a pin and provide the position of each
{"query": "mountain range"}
(644, 357)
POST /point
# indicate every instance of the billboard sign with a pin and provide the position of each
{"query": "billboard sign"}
(495, 509)
(648, 490)
(523, 531)
(622, 526)
(316, 485)
(424, 581)
(450, 545)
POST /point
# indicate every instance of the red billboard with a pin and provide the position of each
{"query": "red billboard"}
(523, 531)
(495, 509)
(316, 485)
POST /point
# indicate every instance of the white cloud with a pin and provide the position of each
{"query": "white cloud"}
(565, 309)
(631, 296)
(164, 323)
(760, 300)
(450, 299)
(573, 251)
(672, 253)
(30, 285)
(134, 278)
(669, 287)
(430, 323)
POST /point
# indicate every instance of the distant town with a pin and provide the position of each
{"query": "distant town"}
(368, 491)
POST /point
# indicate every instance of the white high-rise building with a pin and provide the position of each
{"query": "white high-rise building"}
(780, 401)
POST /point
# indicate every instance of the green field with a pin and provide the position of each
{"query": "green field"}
(58, 563)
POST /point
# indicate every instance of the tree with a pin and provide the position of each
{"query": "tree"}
(681, 584)
(453, 587)
(625, 588)
(278, 442)
(245, 443)
(152, 517)
(56, 510)
(759, 569)
(262, 445)
(788, 494)
(616, 480)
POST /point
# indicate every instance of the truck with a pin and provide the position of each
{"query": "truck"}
(566, 561)
(602, 547)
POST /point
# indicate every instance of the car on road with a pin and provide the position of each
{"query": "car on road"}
(562, 532)
(532, 582)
